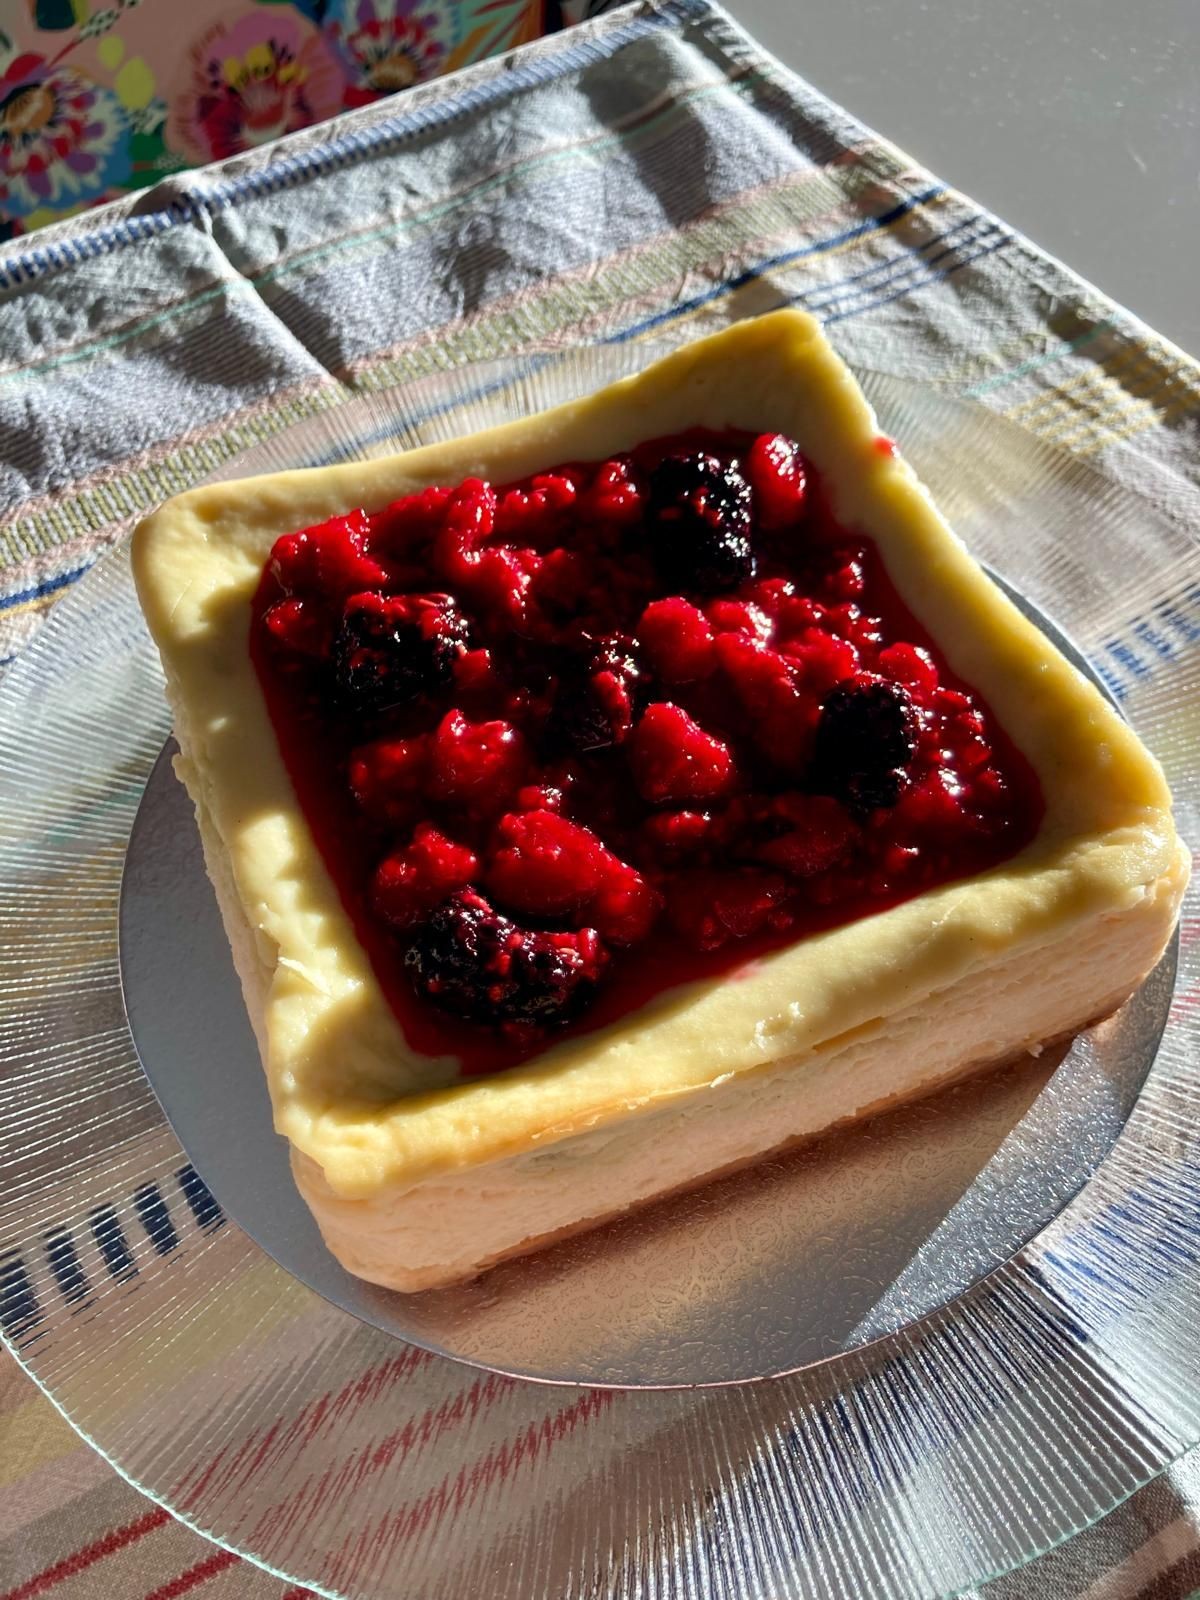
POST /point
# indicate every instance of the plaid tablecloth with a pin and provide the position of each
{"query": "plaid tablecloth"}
(653, 171)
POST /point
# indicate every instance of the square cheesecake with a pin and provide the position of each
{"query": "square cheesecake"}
(603, 801)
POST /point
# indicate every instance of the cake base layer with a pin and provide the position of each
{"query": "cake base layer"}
(456, 1224)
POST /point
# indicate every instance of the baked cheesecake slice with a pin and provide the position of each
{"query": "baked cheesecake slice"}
(600, 802)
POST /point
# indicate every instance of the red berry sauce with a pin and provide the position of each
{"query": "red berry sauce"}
(566, 744)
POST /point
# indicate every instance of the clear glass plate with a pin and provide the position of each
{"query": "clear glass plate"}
(948, 1449)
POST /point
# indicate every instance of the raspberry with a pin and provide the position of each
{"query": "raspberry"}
(771, 596)
(910, 665)
(406, 524)
(850, 621)
(552, 868)
(476, 766)
(467, 522)
(496, 581)
(845, 579)
(971, 756)
(673, 758)
(709, 908)
(596, 700)
(538, 515)
(762, 679)
(866, 735)
(409, 884)
(387, 777)
(625, 907)
(477, 964)
(677, 640)
(795, 612)
(613, 498)
(934, 806)
(544, 864)
(674, 836)
(330, 559)
(475, 676)
(776, 472)
(739, 616)
(699, 523)
(301, 626)
(539, 797)
(822, 658)
(469, 515)
(391, 648)
(768, 687)
(803, 834)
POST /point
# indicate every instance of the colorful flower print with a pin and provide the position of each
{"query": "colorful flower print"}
(63, 139)
(249, 79)
(387, 45)
(101, 97)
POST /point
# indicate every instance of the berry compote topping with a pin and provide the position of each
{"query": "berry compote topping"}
(389, 649)
(597, 695)
(700, 522)
(867, 735)
(475, 962)
(567, 743)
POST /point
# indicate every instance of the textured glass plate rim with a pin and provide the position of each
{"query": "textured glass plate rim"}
(1133, 1479)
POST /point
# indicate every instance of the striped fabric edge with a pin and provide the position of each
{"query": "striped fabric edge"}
(382, 235)
(1163, 1566)
(555, 307)
(190, 1559)
(1164, 389)
(44, 537)
(1146, 377)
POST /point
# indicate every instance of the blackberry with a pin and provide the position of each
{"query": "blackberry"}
(391, 648)
(866, 736)
(699, 523)
(471, 961)
(874, 791)
(597, 697)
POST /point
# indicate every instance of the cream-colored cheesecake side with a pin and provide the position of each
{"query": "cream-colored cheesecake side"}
(452, 1225)
(346, 1090)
